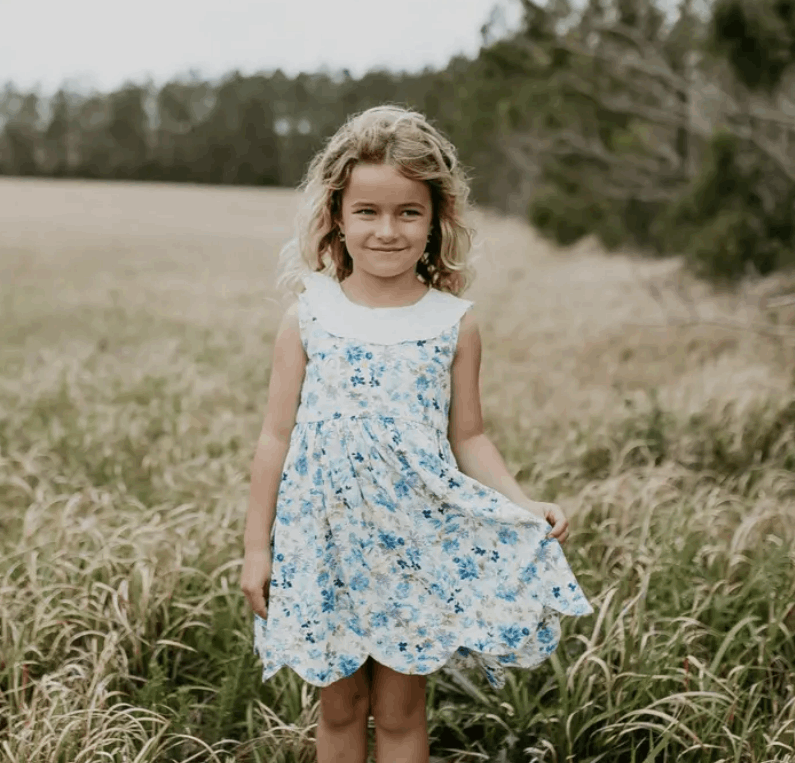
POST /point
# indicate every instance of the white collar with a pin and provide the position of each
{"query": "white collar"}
(430, 316)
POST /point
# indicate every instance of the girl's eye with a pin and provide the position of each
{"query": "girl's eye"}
(405, 211)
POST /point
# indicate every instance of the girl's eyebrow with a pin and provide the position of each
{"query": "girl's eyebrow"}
(373, 204)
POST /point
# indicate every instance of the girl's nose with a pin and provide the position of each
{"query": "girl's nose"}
(386, 228)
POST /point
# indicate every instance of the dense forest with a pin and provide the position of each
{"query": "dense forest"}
(672, 133)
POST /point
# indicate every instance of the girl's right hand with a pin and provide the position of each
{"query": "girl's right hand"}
(255, 580)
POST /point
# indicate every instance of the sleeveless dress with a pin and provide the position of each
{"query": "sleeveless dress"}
(380, 545)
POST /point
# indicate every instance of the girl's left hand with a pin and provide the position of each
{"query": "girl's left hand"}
(555, 516)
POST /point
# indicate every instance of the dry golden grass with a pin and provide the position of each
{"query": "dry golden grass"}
(136, 323)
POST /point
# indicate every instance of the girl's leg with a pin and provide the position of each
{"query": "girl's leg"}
(401, 723)
(342, 726)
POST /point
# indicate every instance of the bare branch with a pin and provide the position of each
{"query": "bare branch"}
(675, 116)
(631, 73)
(656, 116)
(764, 114)
(652, 70)
(783, 162)
(568, 143)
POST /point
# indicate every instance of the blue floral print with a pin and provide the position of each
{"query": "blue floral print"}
(381, 546)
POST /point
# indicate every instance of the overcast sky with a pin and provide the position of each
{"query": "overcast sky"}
(103, 43)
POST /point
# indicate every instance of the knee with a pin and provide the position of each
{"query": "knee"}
(339, 712)
(399, 713)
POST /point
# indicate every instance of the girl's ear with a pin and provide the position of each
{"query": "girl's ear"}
(336, 219)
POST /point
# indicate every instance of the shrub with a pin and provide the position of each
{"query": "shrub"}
(566, 217)
(737, 213)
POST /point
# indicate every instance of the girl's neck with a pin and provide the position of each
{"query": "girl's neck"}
(371, 291)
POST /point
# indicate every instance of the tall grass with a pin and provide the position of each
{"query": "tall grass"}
(134, 360)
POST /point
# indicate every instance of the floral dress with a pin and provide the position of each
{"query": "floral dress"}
(380, 545)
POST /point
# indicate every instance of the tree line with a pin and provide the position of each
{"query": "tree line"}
(668, 133)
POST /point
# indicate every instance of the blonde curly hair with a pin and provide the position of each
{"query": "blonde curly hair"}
(401, 138)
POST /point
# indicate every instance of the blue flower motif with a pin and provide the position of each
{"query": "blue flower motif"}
(355, 627)
(354, 353)
(450, 546)
(348, 665)
(508, 536)
(359, 582)
(328, 600)
(414, 557)
(467, 569)
(390, 540)
(506, 594)
(384, 500)
(544, 634)
(529, 573)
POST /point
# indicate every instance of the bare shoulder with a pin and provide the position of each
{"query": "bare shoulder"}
(289, 321)
(290, 316)
(288, 364)
(468, 334)
(466, 419)
(288, 346)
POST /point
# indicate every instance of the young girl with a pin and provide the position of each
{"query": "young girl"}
(385, 537)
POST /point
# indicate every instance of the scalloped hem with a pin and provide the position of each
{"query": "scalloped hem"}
(470, 658)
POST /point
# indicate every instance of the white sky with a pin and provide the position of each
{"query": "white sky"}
(103, 43)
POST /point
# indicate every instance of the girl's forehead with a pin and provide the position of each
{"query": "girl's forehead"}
(383, 182)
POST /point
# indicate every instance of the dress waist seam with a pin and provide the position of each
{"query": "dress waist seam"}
(378, 416)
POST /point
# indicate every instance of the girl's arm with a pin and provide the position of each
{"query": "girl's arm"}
(474, 452)
(284, 393)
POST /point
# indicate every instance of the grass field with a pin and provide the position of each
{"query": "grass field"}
(136, 324)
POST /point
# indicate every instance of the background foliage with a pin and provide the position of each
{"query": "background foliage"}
(673, 133)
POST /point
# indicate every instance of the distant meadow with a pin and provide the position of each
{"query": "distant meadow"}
(136, 328)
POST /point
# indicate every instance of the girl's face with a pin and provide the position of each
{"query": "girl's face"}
(386, 219)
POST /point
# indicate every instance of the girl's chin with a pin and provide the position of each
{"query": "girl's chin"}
(382, 262)
(386, 263)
